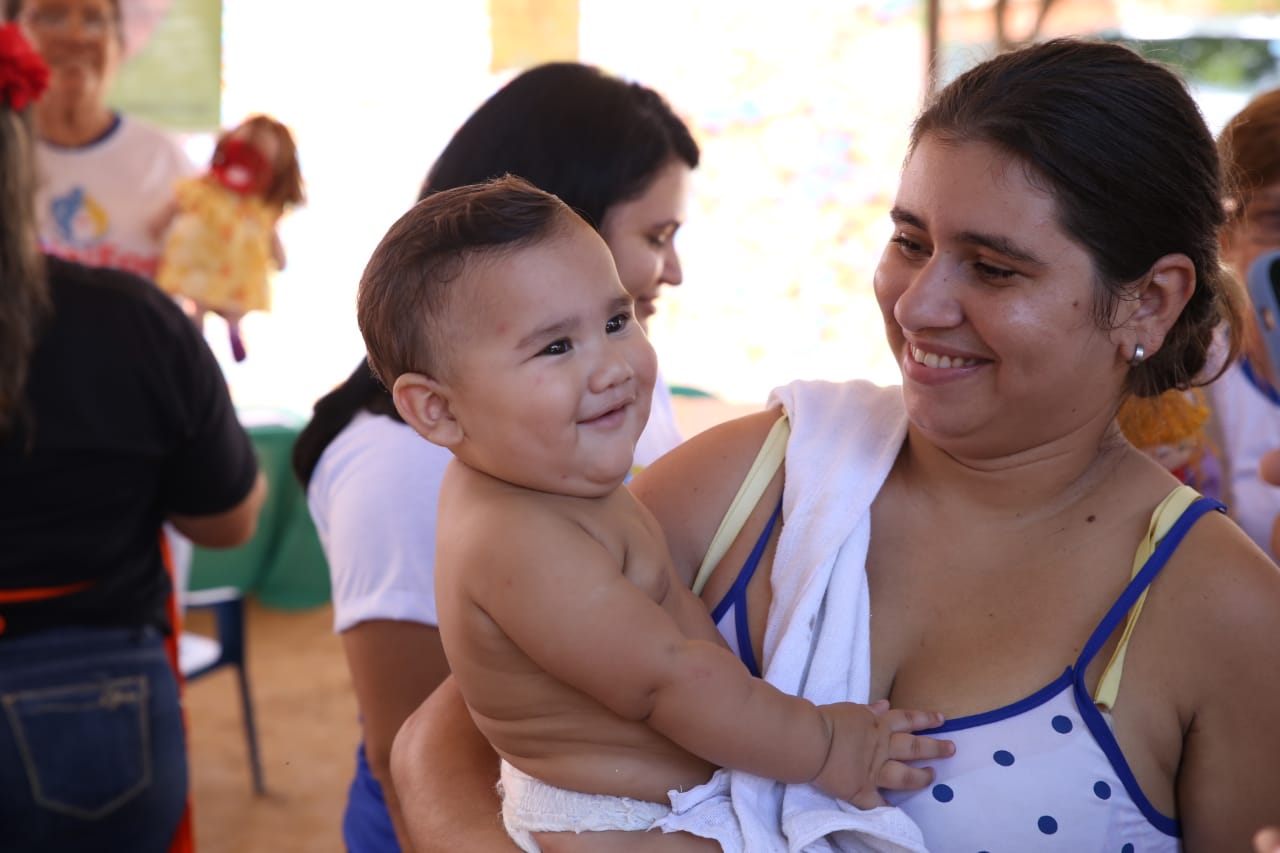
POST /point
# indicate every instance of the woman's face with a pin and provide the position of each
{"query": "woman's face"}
(1254, 232)
(641, 235)
(81, 41)
(988, 305)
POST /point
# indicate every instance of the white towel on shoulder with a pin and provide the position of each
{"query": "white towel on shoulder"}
(844, 440)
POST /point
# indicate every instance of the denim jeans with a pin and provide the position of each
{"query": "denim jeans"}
(92, 747)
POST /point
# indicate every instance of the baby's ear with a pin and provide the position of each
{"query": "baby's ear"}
(424, 404)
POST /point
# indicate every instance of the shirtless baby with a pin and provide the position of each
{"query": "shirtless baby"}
(495, 315)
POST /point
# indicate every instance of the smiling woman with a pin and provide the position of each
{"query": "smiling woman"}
(106, 179)
(1101, 640)
(992, 328)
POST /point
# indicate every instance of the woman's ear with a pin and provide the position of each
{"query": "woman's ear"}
(1158, 302)
(424, 404)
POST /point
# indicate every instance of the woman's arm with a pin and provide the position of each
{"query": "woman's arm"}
(445, 776)
(373, 496)
(226, 529)
(1228, 784)
(394, 667)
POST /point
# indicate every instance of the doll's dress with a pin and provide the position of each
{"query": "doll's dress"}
(218, 249)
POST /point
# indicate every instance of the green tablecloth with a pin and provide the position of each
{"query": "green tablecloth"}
(283, 564)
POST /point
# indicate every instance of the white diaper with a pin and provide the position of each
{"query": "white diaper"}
(530, 805)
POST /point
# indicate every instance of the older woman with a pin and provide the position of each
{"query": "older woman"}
(105, 179)
(983, 540)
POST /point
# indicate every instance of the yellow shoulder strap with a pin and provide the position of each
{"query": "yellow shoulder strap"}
(1164, 517)
(762, 470)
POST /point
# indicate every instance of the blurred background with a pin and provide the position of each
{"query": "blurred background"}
(801, 110)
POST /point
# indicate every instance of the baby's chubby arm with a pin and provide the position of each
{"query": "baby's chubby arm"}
(560, 594)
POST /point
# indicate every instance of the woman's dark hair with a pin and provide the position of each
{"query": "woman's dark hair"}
(1249, 146)
(570, 129)
(360, 392)
(1122, 146)
(25, 302)
(586, 136)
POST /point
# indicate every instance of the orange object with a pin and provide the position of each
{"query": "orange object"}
(184, 839)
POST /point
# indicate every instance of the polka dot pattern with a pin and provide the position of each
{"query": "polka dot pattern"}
(1038, 778)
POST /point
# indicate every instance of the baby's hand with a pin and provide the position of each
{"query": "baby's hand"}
(869, 744)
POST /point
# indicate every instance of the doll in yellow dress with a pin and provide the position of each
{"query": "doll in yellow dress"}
(221, 244)
(1171, 428)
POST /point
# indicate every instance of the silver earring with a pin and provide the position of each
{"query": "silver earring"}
(1138, 355)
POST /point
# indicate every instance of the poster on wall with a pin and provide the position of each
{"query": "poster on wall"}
(171, 73)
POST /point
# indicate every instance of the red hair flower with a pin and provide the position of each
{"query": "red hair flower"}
(23, 72)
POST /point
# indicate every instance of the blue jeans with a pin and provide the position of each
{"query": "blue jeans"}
(92, 747)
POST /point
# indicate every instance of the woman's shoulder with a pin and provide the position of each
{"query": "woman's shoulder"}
(689, 489)
(140, 139)
(108, 296)
(1219, 591)
(703, 461)
(139, 132)
(380, 448)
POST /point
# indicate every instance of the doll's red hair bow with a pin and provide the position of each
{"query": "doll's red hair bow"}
(23, 72)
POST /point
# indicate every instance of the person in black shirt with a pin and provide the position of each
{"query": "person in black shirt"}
(114, 418)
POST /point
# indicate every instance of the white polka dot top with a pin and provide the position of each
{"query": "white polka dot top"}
(1046, 773)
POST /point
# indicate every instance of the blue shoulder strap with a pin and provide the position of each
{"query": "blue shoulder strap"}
(1145, 577)
(737, 594)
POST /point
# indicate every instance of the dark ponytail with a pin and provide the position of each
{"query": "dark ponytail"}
(332, 412)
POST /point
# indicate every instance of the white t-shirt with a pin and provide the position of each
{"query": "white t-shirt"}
(373, 498)
(1249, 425)
(662, 432)
(97, 203)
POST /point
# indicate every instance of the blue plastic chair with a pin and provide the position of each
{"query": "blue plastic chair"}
(199, 655)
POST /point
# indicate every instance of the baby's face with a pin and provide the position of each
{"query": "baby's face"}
(551, 375)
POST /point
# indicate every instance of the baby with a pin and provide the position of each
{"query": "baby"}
(495, 315)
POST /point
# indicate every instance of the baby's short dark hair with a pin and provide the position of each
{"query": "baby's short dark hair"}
(404, 297)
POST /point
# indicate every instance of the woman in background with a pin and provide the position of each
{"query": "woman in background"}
(614, 151)
(100, 443)
(1246, 399)
(106, 180)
